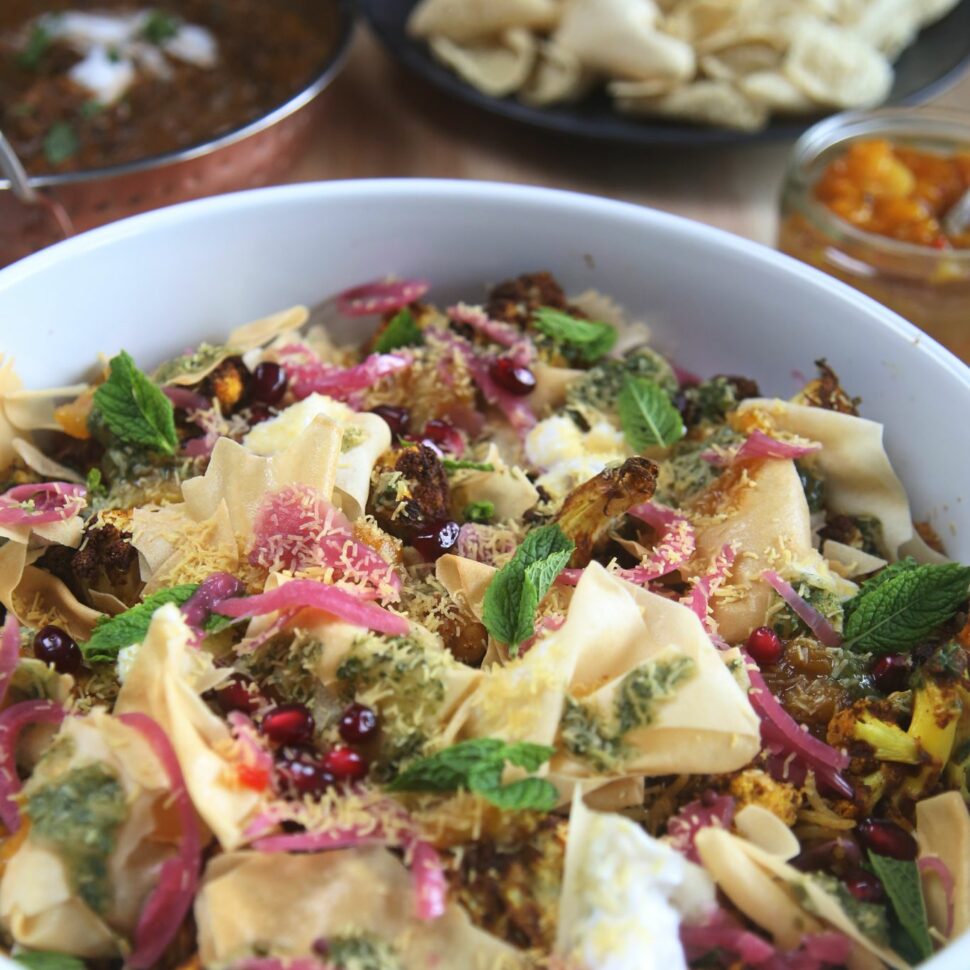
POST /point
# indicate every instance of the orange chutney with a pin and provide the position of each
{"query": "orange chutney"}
(897, 190)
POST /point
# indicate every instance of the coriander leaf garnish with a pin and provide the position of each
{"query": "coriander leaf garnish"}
(513, 596)
(159, 27)
(463, 464)
(60, 143)
(114, 633)
(95, 484)
(479, 512)
(647, 416)
(901, 881)
(47, 960)
(134, 409)
(590, 339)
(401, 331)
(477, 766)
(900, 607)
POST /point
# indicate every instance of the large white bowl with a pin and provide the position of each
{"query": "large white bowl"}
(160, 282)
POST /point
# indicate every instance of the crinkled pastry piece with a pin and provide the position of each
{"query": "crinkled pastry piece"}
(707, 102)
(248, 898)
(40, 902)
(495, 67)
(559, 76)
(505, 486)
(943, 832)
(464, 21)
(166, 681)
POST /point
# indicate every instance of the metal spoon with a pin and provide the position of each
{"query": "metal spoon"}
(957, 218)
(12, 167)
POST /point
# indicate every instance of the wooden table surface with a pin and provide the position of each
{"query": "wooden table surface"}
(379, 122)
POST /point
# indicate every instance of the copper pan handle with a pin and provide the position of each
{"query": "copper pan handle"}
(13, 169)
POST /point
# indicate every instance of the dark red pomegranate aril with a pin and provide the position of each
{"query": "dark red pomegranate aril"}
(891, 673)
(512, 377)
(437, 540)
(444, 434)
(887, 838)
(268, 383)
(765, 646)
(302, 775)
(398, 419)
(288, 724)
(238, 694)
(54, 646)
(345, 764)
(358, 724)
(864, 886)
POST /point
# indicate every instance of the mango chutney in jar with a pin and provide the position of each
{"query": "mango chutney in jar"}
(866, 199)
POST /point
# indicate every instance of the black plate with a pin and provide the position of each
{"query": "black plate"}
(924, 69)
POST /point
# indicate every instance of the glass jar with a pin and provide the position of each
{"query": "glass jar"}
(928, 286)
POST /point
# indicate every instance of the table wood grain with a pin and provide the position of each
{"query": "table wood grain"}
(377, 121)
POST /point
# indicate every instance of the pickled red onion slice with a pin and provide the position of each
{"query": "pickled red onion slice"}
(9, 653)
(380, 296)
(675, 545)
(703, 587)
(697, 815)
(814, 620)
(165, 909)
(182, 397)
(12, 721)
(213, 589)
(430, 885)
(308, 375)
(41, 503)
(934, 864)
(504, 334)
(760, 445)
(309, 594)
(723, 932)
(515, 408)
(349, 838)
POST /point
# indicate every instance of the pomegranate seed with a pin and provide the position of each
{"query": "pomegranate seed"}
(321, 946)
(302, 773)
(54, 646)
(268, 383)
(891, 673)
(258, 413)
(765, 646)
(512, 377)
(358, 724)
(238, 694)
(444, 434)
(288, 724)
(436, 540)
(398, 419)
(887, 838)
(864, 886)
(345, 763)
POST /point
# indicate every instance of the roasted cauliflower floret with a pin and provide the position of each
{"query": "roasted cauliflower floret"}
(227, 383)
(826, 392)
(756, 787)
(514, 301)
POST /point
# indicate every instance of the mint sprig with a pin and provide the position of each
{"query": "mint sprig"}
(589, 339)
(897, 609)
(513, 596)
(647, 416)
(113, 633)
(901, 881)
(134, 408)
(401, 331)
(477, 766)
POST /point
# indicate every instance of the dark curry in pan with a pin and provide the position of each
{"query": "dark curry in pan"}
(85, 86)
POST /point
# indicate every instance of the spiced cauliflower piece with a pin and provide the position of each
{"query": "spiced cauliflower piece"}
(756, 787)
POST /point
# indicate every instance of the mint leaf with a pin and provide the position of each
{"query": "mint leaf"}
(647, 416)
(401, 331)
(135, 410)
(60, 143)
(477, 766)
(114, 633)
(463, 464)
(905, 891)
(514, 594)
(95, 484)
(590, 339)
(160, 27)
(47, 960)
(480, 512)
(896, 612)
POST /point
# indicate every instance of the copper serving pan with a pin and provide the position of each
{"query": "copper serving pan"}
(258, 153)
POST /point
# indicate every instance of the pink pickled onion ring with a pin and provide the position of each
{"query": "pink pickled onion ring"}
(683, 827)
(319, 841)
(703, 587)
(675, 544)
(41, 503)
(12, 721)
(182, 397)
(308, 375)
(178, 879)
(380, 296)
(829, 947)
(504, 334)
(309, 594)
(934, 864)
(781, 732)
(213, 589)
(722, 932)
(9, 653)
(760, 445)
(813, 619)
(430, 885)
